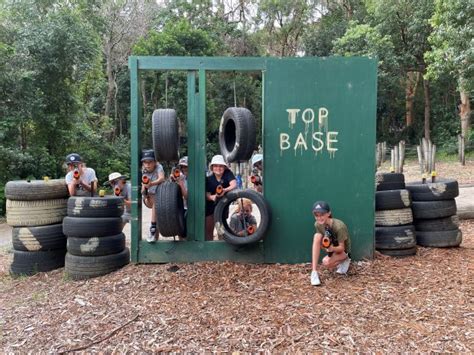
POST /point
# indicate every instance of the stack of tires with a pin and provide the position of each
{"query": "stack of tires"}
(35, 210)
(394, 231)
(95, 242)
(434, 211)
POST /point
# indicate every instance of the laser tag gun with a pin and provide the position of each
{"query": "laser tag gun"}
(255, 178)
(250, 229)
(176, 174)
(117, 191)
(219, 191)
(329, 239)
(76, 174)
(146, 181)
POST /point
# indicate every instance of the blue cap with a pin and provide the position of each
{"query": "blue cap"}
(148, 154)
(73, 158)
(321, 206)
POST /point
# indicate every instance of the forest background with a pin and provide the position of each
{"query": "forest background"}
(64, 78)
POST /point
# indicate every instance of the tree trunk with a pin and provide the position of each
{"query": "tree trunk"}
(410, 91)
(426, 89)
(110, 81)
(465, 113)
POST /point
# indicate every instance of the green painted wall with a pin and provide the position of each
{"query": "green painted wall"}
(337, 97)
(333, 161)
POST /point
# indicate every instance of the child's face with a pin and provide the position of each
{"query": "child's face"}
(149, 165)
(321, 218)
(248, 210)
(72, 166)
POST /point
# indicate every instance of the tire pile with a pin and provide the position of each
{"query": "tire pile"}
(394, 231)
(35, 210)
(95, 242)
(434, 211)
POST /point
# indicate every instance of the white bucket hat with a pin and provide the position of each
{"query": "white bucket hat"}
(256, 158)
(116, 176)
(217, 160)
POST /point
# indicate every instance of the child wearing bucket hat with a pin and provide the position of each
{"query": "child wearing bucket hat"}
(122, 188)
(221, 181)
(79, 178)
(154, 176)
(331, 234)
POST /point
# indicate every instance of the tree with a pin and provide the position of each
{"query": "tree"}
(452, 51)
(407, 23)
(284, 23)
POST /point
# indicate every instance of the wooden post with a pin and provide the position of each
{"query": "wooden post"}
(392, 160)
(402, 154)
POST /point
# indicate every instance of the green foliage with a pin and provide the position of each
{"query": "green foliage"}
(452, 49)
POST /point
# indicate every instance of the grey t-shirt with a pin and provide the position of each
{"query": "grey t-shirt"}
(237, 223)
(126, 193)
(88, 175)
(154, 175)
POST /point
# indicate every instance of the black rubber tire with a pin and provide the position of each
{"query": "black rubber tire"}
(443, 189)
(398, 217)
(35, 213)
(223, 229)
(169, 208)
(389, 181)
(399, 237)
(433, 209)
(392, 199)
(24, 190)
(32, 262)
(438, 224)
(86, 267)
(96, 246)
(85, 227)
(107, 206)
(41, 238)
(237, 134)
(441, 239)
(165, 131)
(399, 253)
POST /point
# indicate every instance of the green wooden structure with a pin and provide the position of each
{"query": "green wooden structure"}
(318, 138)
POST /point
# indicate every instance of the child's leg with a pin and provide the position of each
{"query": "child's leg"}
(209, 228)
(334, 260)
(316, 250)
(153, 211)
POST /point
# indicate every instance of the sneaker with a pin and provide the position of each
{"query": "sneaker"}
(315, 278)
(151, 238)
(343, 267)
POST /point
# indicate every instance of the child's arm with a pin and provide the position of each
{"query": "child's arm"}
(232, 185)
(338, 249)
(161, 178)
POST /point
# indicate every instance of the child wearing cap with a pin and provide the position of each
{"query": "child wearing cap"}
(338, 255)
(79, 179)
(222, 177)
(182, 180)
(155, 174)
(122, 188)
(257, 169)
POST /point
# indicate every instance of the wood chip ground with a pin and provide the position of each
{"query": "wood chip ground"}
(422, 303)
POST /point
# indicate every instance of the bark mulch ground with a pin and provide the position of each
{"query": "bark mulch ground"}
(422, 303)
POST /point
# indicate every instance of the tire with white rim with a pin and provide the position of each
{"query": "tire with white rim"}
(39, 238)
(35, 213)
(395, 217)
